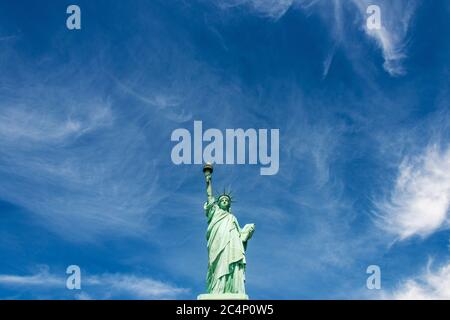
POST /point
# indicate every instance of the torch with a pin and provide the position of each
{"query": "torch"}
(208, 169)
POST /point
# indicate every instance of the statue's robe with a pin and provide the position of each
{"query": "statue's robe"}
(226, 251)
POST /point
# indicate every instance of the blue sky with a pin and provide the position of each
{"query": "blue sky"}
(86, 118)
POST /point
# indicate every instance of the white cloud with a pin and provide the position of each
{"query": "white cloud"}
(27, 123)
(42, 279)
(431, 285)
(83, 296)
(138, 287)
(71, 161)
(7, 38)
(270, 8)
(103, 286)
(167, 104)
(392, 37)
(273, 9)
(419, 203)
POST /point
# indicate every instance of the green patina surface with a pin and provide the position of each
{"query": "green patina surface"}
(227, 243)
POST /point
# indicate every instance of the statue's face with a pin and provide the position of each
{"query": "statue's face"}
(224, 203)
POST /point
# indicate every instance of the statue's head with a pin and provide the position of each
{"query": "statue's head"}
(224, 202)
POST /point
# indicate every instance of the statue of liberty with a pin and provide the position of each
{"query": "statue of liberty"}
(227, 243)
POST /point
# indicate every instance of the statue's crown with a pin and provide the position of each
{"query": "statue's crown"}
(225, 194)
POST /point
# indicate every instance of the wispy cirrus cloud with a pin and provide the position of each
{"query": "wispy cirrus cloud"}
(135, 286)
(420, 200)
(7, 38)
(102, 286)
(391, 38)
(270, 8)
(62, 153)
(41, 279)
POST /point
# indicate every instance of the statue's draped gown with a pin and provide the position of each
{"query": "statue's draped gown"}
(226, 251)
